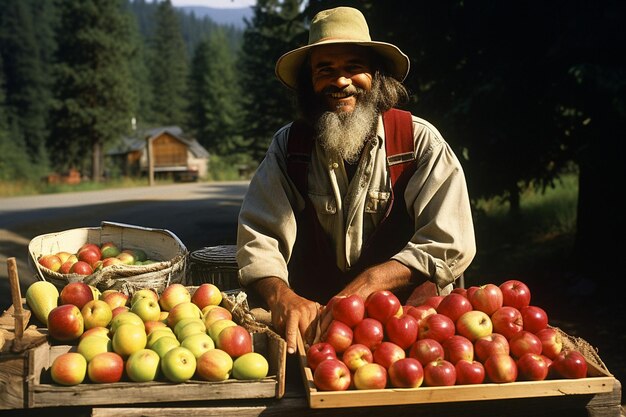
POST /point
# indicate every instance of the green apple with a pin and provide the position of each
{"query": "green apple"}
(129, 338)
(183, 322)
(144, 293)
(143, 365)
(216, 328)
(198, 343)
(109, 250)
(184, 310)
(164, 345)
(250, 365)
(214, 365)
(178, 364)
(146, 308)
(189, 326)
(157, 334)
(96, 313)
(90, 346)
(174, 294)
(69, 368)
(138, 254)
(42, 297)
(126, 317)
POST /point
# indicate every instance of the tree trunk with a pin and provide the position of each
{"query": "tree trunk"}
(96, 163)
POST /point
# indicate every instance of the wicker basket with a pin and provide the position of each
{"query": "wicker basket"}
(216, 265)
(159, 244)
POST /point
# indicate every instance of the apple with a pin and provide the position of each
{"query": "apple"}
(216, 313)
(89, 245)
(185, 309)
(144, 293)
(178, 364)
(532, 367)
(515, 294)
(490, 344)
(115, 298)
(436, 326)
(96, 313)
(357, 355)
(139, 254)
(234, 340)
(77, 293)
(96, 292)
(569, 364)
(486, 298)
(143, 365)
(387, 353)
(439, 373)
(164, 344)
(458, 347)
(120, 309)
(67, 265)
(64, 256)
(402, 330)
(524, 342)
(434, 301)
(92, 345)
(370, 376)
(381, 305)
(129, 338)
(105, 367)
(50, 261)
(426, 350)
(191, 328)
(198, 343)
(339, 335)
(406, 373)
(460, 290)
(474, 324)
(214, 365)
(368, 332)
(469, 372)
(250, 366)
(174, 294)
(100, 331)
(146, 308)
(157, 334)
(206, 294)
(197, 323)
(125, 317)
(421, 311)
(65, 323)
(348, 309)
(332, 375)
(534, 318)
(127, 258)
(109, 250)
(318, 352)
(454, 305)
(507, 321)
(500, 368)
(152, 325)
(88, 255)
(551, 342)
(81, 268)
(69, 368)
(216, 327)
(111, 261)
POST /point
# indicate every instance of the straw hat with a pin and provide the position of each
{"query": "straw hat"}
(340, 25)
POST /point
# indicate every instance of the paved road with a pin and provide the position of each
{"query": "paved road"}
(200, 214)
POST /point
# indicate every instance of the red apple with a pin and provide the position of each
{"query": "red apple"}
(52, 262)
(458, 347)
(535, 318)
(68, 369)
(421, 311)
(77, 293)
(406, 373)
(551, 342)
(67, 265)
(569, 364)
(532, 367)
(381, 305)
(65, 323)
(460, 290)
(234, 340)
(89, 255)
(524, 342)
(454, 305)
(348, 309)
(515, 294)
(474, 324)
(369, 332)
(370, 376)
(332, 375)
(339, 335)
(436, 326)
(439, 373)
(105, 367)
(486, 298)
(357, 355)
(500, 368)
(469, 372)
(402, 330)
(91, 246)
(507, 321)
(81, 268)
(206, 294)
(434, 301)
(426, 350)
(318, 352)
(387, 353)
(490, 344)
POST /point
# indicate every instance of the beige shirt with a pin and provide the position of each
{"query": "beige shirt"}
(436, 196)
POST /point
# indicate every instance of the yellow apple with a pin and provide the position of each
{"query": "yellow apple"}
(129, 338)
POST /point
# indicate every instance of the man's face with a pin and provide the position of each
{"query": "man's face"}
(338, 72)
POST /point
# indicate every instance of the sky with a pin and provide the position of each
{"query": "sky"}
(218, 4)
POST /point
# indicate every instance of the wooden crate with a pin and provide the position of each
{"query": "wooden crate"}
(599, 380)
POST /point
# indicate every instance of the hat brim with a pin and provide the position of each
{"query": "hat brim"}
(288, 65)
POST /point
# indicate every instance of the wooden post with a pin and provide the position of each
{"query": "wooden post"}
(17, 298)
(150, 162)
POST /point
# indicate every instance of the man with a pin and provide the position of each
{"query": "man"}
(325, 214)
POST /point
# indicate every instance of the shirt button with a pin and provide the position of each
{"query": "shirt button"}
(334, 165)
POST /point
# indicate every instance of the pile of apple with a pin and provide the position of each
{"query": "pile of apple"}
(481, 334)
(92, 257)
(175, 336)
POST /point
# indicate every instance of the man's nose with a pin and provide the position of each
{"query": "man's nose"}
(342, 81)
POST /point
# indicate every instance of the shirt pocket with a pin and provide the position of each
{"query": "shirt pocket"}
(376, 201)
(323, 204)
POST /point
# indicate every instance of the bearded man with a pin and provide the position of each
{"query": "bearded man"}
(355, 196)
